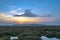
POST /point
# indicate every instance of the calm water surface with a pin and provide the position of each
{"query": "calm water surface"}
(46, 38)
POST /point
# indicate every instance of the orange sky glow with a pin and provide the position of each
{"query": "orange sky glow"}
(22, 20)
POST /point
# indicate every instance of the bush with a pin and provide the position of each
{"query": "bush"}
(57, 34)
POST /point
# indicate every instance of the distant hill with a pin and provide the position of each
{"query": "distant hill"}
(23, 25)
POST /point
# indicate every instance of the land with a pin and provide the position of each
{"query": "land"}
(29, 32)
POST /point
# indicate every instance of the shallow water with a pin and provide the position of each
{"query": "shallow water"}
(46, 38)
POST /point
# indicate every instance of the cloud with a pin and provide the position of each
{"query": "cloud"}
(12, 7)
(6, 18)
(55, 21)
(27, 13)
(27, 17)
(2, 14)
(47, 15)
(15, 10)
(22, 20)
(19, 9)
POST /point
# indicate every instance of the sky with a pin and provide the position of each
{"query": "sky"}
(47, 11)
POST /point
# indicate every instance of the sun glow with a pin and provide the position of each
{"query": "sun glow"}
(23, 20)
(20, 20)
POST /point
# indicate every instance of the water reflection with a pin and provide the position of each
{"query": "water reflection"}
(46, 38)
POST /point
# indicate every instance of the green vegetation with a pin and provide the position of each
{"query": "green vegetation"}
(29, 32)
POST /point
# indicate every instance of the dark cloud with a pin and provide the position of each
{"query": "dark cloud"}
(46, 15)
(55, 22)
(27, 13)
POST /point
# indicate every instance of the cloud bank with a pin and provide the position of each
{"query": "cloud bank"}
(17, 16)
(22, 20)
